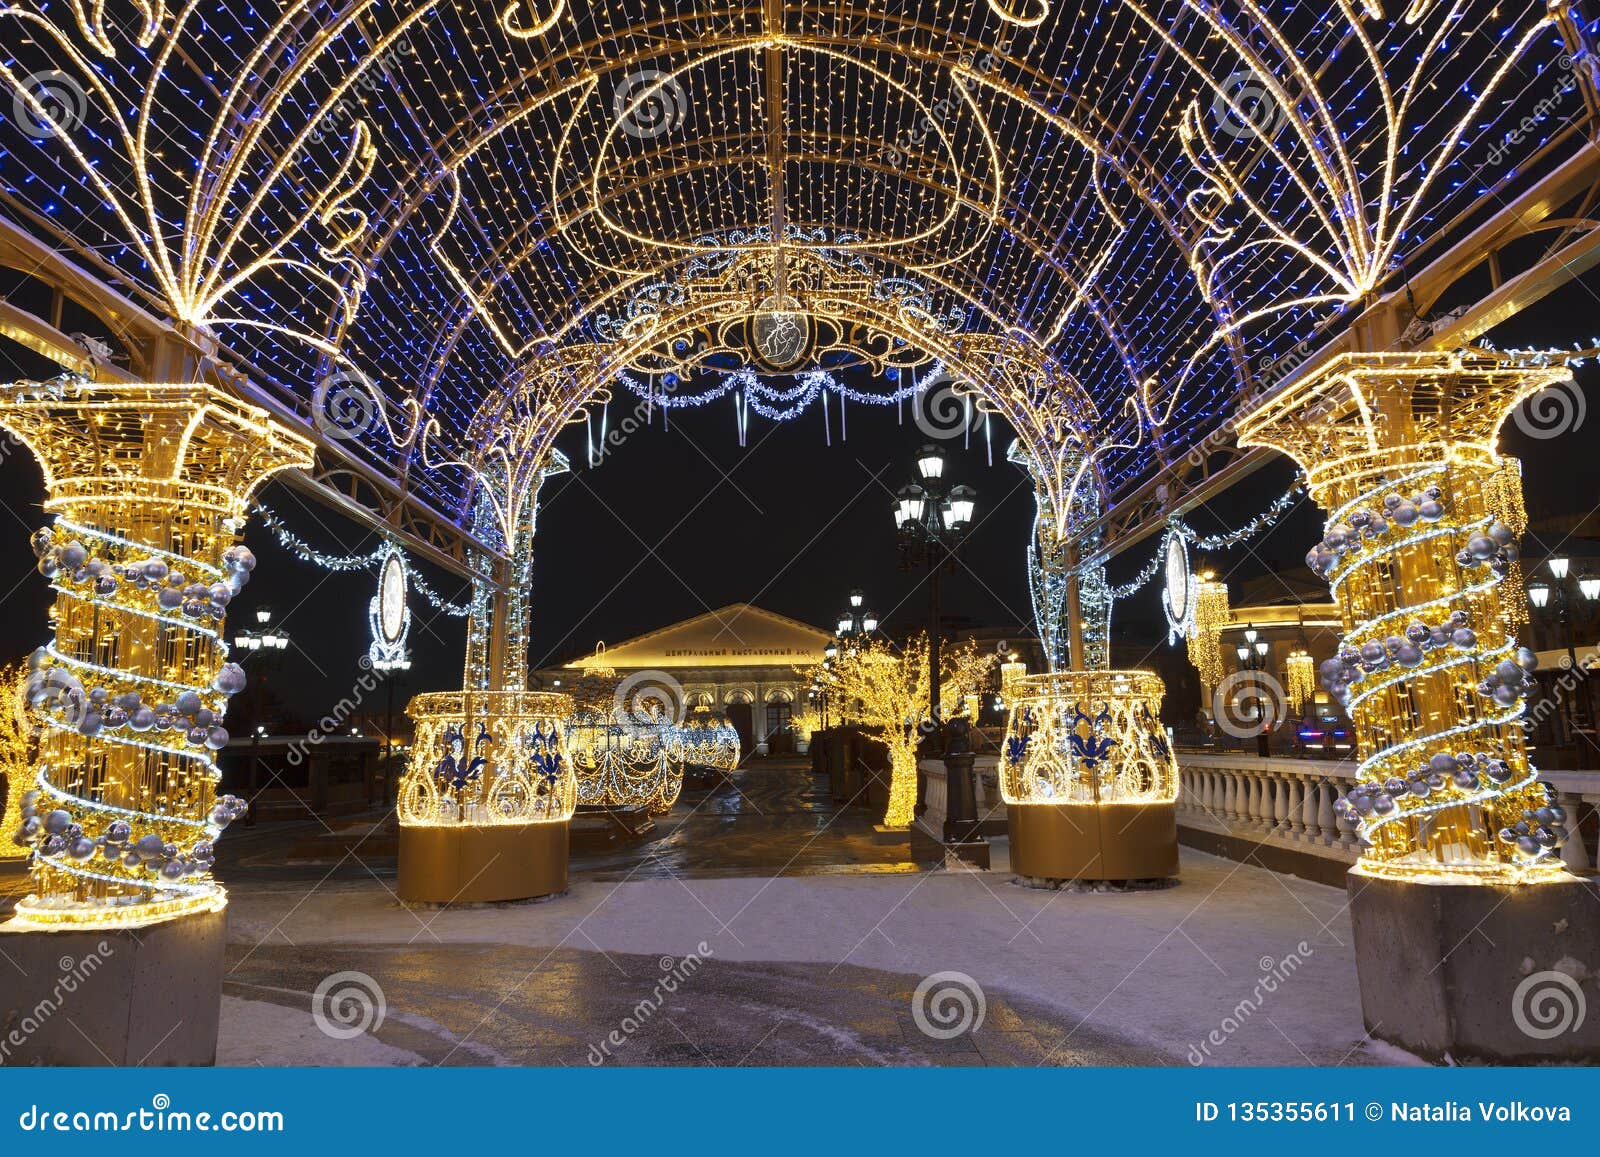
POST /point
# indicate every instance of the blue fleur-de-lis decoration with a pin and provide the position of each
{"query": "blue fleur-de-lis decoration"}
(1016, 749)
(546, 754)
(484, 737)
(454, 769)
(1082, 740)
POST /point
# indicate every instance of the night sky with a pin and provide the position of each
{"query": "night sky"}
(679, 522)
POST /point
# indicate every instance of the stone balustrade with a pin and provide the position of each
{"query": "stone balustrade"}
(1288, 804)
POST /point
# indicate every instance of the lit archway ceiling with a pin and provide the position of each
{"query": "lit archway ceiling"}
(1161, 196)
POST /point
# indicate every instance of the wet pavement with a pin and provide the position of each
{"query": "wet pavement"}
(496, 1004)
(573, 1004)
(772, 817)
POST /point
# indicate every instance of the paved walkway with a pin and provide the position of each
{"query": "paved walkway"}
(790, 935)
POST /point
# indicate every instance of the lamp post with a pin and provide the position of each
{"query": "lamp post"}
(267, 643)
(1253, 657)
(1540, 594)
(933, 520)
(854, 621)
(391, 670)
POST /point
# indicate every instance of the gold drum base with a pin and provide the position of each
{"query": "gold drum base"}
(466, 864)
(1114, 841)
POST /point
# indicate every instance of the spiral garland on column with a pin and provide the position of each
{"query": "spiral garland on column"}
(124, 595)
(148, 484)
(1437, 655)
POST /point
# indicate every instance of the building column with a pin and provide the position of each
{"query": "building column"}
(1463, 840)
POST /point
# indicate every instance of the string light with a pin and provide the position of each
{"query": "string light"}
(129, 695)
(372, 560)
(887, 689)
(488, 757)
(1400, 449)
(1087, 737)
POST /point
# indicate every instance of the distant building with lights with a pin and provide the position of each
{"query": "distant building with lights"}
(741, 659)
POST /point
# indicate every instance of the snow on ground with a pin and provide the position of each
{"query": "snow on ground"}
(1236, 965)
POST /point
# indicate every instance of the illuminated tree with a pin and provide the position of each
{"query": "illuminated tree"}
(885, 687)
(17, 744)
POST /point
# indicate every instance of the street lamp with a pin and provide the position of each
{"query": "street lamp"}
(853, 621)
(270, 643)
(932, 520)
(1544, 594)
(1253, 657)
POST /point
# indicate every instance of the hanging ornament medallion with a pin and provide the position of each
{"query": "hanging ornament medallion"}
(388, 615)
(1178, 591)
(782, 332)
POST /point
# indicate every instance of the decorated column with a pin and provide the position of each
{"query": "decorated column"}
(1071, 602)
(485, 803)
(1089, 779)
(147, 487)
(1419, 550)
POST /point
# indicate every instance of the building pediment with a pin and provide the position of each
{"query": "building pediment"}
(738, 635)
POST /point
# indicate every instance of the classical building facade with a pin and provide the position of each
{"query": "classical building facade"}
(741, 659)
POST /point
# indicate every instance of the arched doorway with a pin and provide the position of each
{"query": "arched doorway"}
(741, 713)
(779, 714)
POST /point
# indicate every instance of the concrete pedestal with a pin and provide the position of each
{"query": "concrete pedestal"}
(465, 864)
(140, 996)
(1482, 972)
(1062, 841)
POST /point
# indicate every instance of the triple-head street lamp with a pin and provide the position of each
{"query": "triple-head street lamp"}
(1253, 657)
(933, 520)
(1540, 592)
(855, 621)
